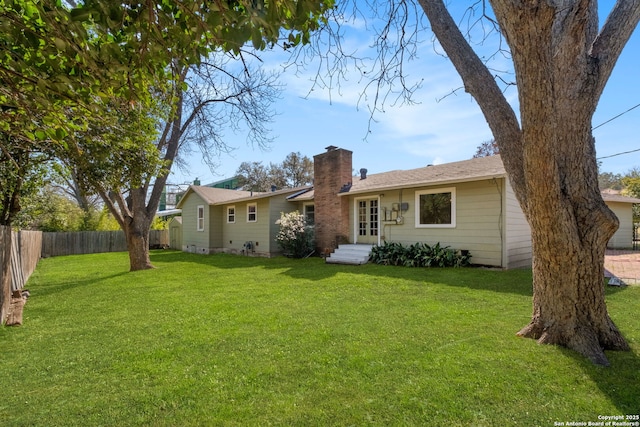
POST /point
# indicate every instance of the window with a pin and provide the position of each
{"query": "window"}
(436, 208)
(252, 212)
(231, 214)
(309, 214)
(200, 224)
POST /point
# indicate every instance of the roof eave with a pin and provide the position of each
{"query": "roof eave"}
(422, 184)
(258, 196)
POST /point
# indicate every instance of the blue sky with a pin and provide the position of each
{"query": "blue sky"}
(438, 129)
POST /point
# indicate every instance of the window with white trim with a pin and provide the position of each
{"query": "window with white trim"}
(436, 208)
(252, 212)
(231, 214)
(200, 223)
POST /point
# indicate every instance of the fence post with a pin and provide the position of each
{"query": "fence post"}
(5, 273)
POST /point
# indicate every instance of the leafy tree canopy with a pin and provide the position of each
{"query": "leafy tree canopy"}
(487, 148)
(296, 170)
(56, 58)
(631, 182)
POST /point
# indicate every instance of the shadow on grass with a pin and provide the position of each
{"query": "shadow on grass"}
(51, 289)
(315, 269)
(620, 382)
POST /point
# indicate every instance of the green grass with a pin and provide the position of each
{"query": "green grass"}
(228, 340)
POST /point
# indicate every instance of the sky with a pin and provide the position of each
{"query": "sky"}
(443, 125)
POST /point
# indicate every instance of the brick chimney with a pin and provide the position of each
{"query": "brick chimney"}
(331, 174)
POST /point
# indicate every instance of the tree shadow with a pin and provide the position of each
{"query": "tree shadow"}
(315, 269)
(58, 287)
(620, 382)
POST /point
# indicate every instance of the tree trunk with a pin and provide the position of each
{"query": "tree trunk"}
(559, 86)
(570, 226)
(562, 63)
(137, 235)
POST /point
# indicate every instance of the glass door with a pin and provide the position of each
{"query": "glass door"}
(367, 221)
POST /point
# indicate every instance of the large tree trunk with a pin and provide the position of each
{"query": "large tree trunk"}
(570, 227)
(561, 65)
(559, 87)
(137, 235)
(136, 226)
(135, 219)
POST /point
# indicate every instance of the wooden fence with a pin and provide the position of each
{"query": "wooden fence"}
(91, 242)
(28, 246)
(24, 253)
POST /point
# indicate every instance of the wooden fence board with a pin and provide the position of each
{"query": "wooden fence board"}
(23, 249)
(17, 274)
(27, 246)
(25, 254)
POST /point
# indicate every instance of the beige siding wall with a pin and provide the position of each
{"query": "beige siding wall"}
(234, 235)
(624, 236)
(518, 251)
(192, 239)
(221, 236)
(479, 220)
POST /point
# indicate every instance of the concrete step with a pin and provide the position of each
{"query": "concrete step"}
(344, 260)
(350, 254)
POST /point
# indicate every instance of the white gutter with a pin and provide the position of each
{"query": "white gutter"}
(168, 212)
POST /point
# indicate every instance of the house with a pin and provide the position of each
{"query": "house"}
(622, 207)
(467, 205)
(224, 220)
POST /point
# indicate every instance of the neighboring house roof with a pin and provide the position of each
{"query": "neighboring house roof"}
(611, 197)
(466, 170)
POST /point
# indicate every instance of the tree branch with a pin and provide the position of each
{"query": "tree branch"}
(614, 35)
(480, 83)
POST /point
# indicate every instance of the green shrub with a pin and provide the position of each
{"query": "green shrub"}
(419, 255)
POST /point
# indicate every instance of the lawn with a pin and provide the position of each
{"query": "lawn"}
(233, 341)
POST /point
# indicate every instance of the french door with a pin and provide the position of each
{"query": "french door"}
(367, 221)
